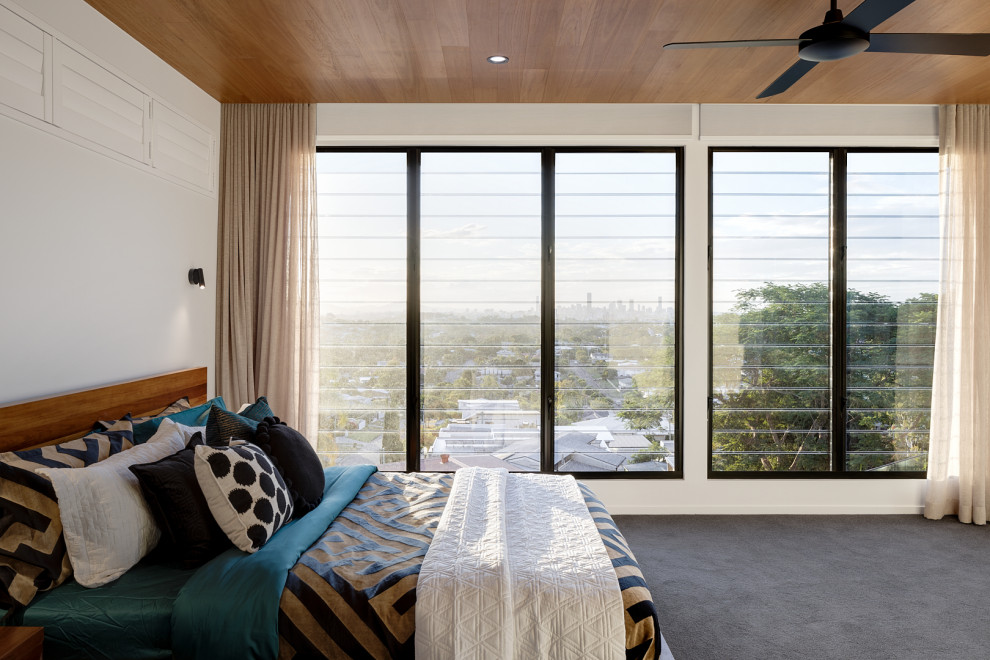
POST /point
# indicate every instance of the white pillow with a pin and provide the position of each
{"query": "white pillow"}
(108, 527)
(168, 429)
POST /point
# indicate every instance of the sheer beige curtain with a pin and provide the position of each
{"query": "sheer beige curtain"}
(267, 298)
(959, 455)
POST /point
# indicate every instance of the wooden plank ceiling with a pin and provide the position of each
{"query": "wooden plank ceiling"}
(561, 51)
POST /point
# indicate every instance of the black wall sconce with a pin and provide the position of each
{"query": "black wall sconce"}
(196, 277)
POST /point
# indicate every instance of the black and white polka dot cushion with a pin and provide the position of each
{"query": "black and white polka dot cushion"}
(245, 493)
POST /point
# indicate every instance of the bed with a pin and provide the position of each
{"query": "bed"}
(340, 581)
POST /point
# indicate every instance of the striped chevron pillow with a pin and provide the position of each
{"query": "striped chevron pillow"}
(174, 407)
(32, 547)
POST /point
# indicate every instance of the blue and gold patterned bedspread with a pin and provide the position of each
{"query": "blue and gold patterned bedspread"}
(353, 593)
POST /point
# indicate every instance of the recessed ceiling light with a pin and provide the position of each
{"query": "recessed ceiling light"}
(498, 59)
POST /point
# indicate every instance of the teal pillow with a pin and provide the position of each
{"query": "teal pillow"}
(193, 417)
(222, 425)
(258, 410)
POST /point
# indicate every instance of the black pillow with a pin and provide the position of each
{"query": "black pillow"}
(222, 425)
(170, 488)
(296, 461)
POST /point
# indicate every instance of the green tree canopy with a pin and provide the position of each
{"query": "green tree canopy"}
(772, 379)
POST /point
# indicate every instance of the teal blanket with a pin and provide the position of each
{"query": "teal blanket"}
(229, 608)
(128, 618)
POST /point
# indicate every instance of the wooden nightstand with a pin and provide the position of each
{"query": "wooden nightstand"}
(20, 643)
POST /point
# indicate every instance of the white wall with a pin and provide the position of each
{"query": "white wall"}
(94, 252)
(695, 128)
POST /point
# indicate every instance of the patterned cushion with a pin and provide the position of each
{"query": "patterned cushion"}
(222, 425)
(170, 409)
(244, 491)
(257, 410)
(33, 556)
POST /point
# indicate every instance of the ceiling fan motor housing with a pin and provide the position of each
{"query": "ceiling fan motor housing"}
(832, 41)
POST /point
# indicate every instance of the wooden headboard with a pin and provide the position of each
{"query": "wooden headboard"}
(57, 418)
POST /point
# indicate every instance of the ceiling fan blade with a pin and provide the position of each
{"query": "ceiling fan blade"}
(871, 13)
(788, 78)
(935, 44)
(735, 44)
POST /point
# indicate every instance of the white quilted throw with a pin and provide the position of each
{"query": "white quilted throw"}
(517, 570)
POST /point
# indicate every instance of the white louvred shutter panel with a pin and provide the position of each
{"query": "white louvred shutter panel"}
(95, 104)
(22, 64)
(180, 147)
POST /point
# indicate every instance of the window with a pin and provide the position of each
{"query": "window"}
(824, 278)
(362, 249)
(519, 304)
(614, 352)
(480, 308)
(892, 276)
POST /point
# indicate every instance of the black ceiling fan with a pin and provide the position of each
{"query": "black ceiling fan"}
(839, 37)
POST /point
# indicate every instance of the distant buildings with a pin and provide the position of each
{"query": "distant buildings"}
(497, 430)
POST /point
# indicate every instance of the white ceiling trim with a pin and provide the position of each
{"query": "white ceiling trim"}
(599, 124)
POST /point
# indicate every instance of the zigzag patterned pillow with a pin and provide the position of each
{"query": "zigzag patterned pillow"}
(172, 408)
(33, 557)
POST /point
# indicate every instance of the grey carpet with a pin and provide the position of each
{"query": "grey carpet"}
(816, 587)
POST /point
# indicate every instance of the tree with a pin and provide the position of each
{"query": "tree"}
(773, 387)
(571, 399)
(393, 445)
(488, 388)
(655, 453)
(644, 411)
(650, 402)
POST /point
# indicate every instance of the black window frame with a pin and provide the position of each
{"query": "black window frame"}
(838, 222)
(547, 301)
